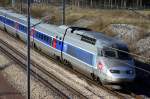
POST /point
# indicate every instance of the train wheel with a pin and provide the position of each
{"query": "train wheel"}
(5, 29)
(70, 65)
(65, 62)
(93, 76)
(17, 36)
(34, 45)
(58, 58)
(98, 80)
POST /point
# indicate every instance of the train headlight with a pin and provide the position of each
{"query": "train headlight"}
(130, 72)
(115, 71)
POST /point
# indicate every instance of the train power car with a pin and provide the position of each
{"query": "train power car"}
(97, 56)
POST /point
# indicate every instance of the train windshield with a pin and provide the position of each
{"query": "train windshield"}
(123, 55)
(110, 53)
(115, 54)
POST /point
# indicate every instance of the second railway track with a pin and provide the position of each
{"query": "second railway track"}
(20, 58)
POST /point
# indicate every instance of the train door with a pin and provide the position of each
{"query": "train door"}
(54, 42)
(32, 35)
(98, 70)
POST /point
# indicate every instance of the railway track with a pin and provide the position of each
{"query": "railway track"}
(20, 58)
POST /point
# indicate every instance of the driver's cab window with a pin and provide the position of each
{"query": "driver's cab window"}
(110, 53)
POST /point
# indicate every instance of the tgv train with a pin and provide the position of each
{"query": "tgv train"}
(91, 53)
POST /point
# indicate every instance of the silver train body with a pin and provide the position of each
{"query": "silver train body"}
(89, 52)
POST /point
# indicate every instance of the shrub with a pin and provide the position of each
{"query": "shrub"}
(5, 2)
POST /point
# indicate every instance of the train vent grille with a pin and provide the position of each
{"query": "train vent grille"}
(88, 39)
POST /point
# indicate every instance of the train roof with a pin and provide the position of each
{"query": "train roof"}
(98, 37)
(101, 39)
(50, 28)
(105, 41)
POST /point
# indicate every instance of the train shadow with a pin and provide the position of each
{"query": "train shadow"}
(141, 85)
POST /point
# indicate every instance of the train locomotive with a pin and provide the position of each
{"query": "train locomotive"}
(95, 55)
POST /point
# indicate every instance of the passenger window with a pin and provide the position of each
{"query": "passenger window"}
(45, 39)
(38, 35)
(42, 36)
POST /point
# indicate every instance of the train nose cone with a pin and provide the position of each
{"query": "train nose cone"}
(118, 62)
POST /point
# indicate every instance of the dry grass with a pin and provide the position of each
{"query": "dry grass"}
(101, 18)
(4, 2)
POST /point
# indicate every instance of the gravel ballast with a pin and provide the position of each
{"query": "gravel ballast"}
(18, 79)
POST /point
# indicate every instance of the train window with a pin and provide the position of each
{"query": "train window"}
(24, 29)
(45, 38)
(20, 28)
(110, 53)
(0, 19)
(41, 36)
(123, 55)
(50, 41)
(37, 35)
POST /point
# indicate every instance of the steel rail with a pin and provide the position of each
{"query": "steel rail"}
(20, 58)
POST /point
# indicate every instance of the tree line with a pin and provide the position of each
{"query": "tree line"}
(91, 3)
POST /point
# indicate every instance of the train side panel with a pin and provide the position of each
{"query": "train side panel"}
(10, 26)
(79, 55)
(1, 22)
